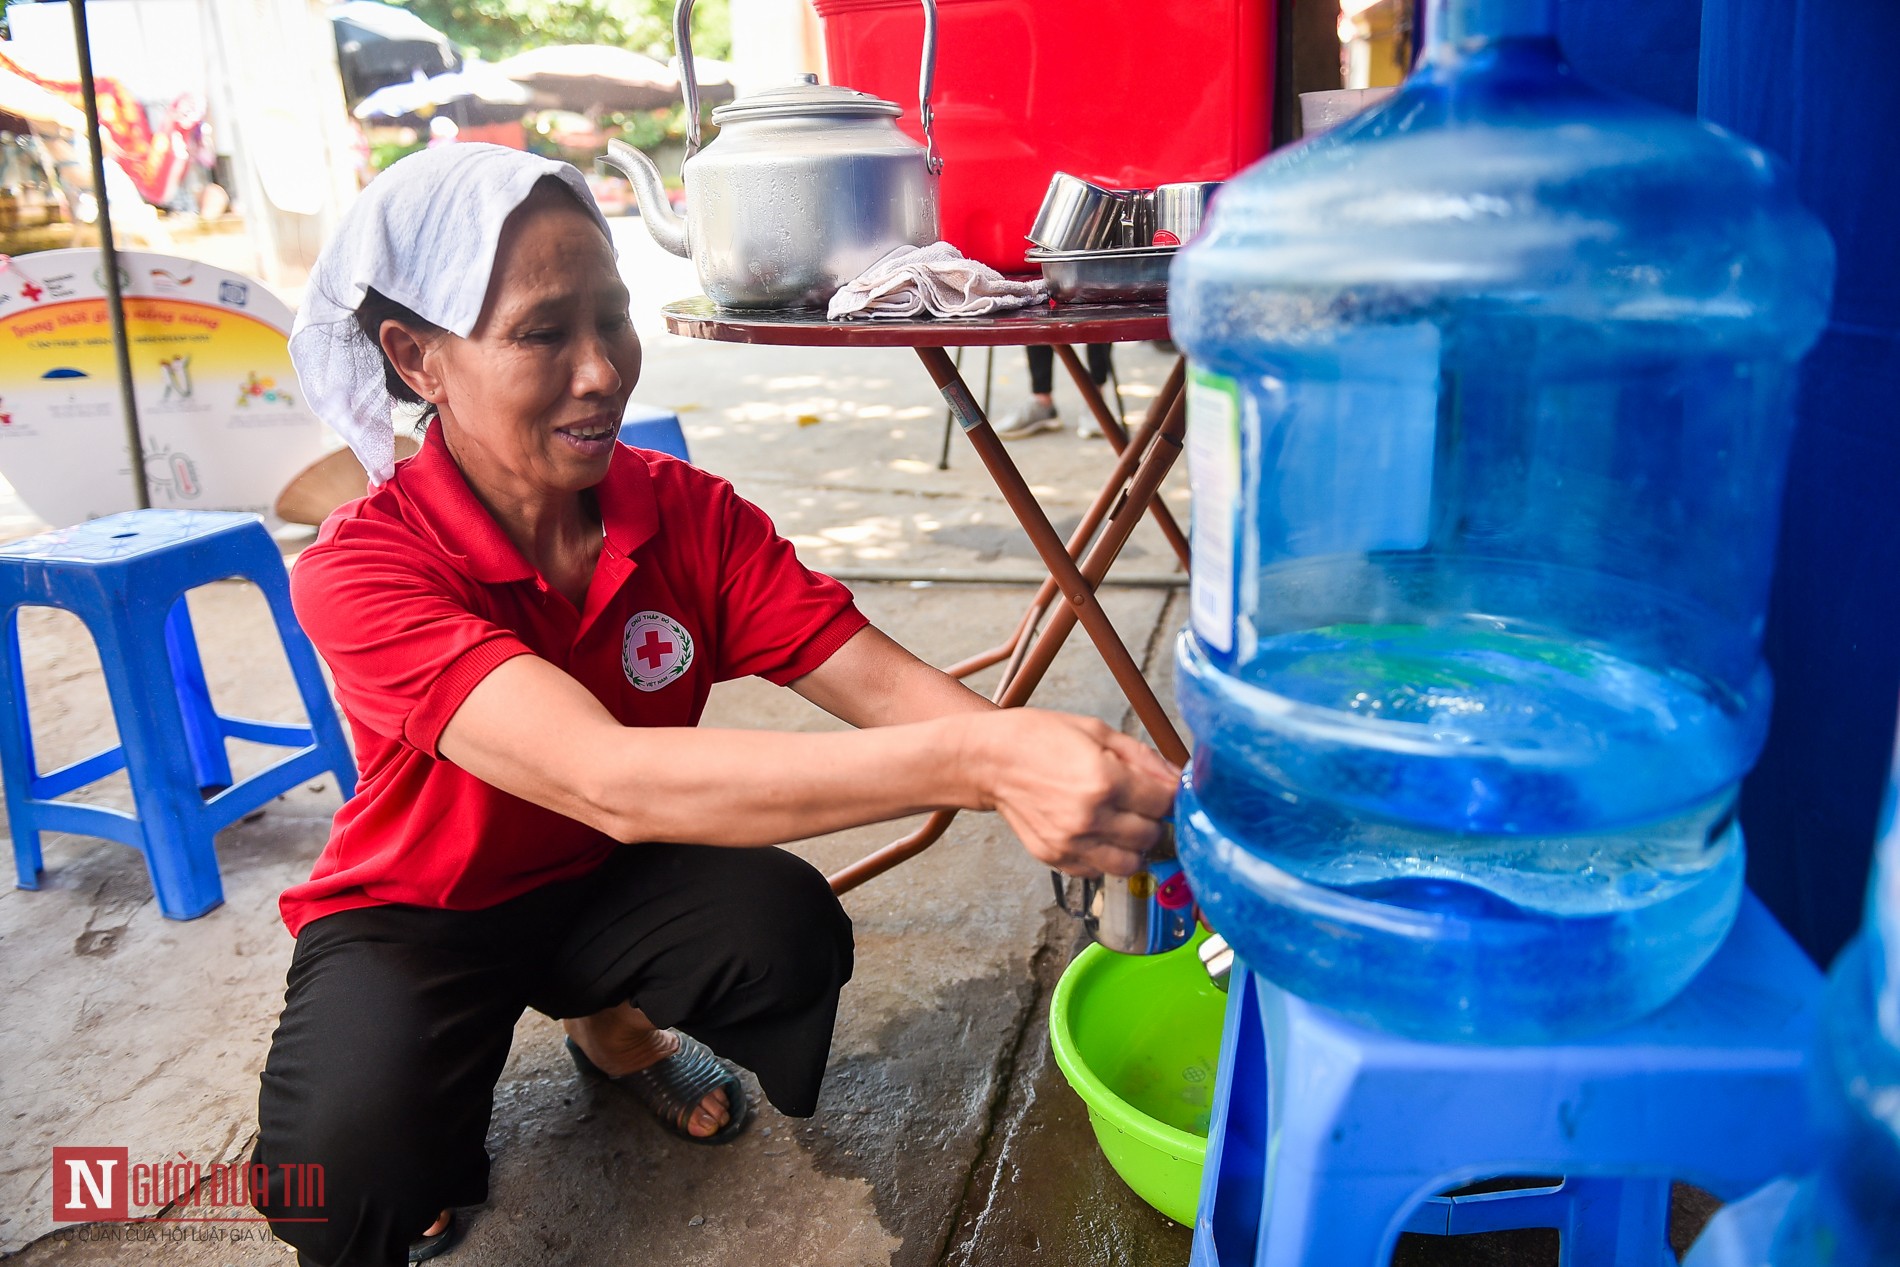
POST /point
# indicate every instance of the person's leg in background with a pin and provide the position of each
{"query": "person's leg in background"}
(1101, 360)
(1038, 413)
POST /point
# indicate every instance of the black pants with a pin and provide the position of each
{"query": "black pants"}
(397, 1022)
(1042, 366)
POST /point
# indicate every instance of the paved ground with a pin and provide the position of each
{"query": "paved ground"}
(945, 1134)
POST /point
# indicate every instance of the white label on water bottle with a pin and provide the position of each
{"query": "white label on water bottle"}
(1213, 453)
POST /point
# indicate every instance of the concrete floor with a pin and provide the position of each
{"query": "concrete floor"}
(945, 1135)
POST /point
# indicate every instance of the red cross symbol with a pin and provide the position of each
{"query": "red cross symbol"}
(653, 650)
(31, 292)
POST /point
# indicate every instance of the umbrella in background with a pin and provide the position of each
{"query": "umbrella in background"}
(477, 93)
(593, 78)
(379, 44)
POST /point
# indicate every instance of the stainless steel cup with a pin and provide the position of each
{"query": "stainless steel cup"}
(1147, 913)
(1138, 218)
(1076, 215)
(1179, 209)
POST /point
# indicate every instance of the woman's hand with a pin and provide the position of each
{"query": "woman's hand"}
(1082, 798)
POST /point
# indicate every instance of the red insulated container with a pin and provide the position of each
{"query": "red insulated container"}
(1127, 95)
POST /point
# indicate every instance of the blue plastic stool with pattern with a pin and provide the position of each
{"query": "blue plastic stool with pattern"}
(645, 427)
(1329, 1139)
(125, 576)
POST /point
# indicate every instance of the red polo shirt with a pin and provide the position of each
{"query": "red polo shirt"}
(413, 594)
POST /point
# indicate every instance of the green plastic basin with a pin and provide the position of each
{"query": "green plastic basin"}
(1138, 1036)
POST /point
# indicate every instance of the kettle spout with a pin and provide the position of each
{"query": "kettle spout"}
(666, 226)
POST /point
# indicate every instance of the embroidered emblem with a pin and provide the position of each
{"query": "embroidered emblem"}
(655, 650)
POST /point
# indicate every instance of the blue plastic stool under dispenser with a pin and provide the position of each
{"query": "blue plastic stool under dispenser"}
(1329, 1139)
(1488, 420)
(125, 577)
(1846, 1212)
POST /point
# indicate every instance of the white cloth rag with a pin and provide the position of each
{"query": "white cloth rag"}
(424, 233)
(937, 279)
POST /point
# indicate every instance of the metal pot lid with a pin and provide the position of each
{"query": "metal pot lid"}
(808, 98)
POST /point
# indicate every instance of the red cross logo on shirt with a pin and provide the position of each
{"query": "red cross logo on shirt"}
(655, 650)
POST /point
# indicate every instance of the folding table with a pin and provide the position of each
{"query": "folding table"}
(1076, 567)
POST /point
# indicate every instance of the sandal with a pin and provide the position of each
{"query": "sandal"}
(427, 1247)
(674, 1087)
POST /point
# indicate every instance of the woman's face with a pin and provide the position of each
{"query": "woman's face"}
(532, 399)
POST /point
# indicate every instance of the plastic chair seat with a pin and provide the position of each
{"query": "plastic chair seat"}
(125, 577)
(646, 427)
(1330, 1139)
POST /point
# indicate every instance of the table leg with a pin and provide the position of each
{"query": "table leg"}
(1094, 567)
(1160, 430)
(1111, 427)
(1068, 578)
(1128, 457)
(876, 864)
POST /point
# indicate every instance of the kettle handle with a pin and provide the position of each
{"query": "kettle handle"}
(689, 77)
(926, 75)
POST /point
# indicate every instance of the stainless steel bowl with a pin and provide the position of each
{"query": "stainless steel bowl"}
(1126, 276)
(1179, 210)
(1076, 215)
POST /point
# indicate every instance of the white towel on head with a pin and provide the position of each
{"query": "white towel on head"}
(937, 279)
(424, 233)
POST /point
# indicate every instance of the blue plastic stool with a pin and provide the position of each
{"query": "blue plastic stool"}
(1330, 1139)
(645, 427)
(1742, 1233)
(125, 576)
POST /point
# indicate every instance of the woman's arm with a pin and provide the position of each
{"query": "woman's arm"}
(1081, 796)
(872, 681)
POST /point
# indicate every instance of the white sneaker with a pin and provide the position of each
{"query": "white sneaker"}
(1030, 418)
(1088, 428)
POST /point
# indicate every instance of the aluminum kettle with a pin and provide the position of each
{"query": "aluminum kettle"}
(805, 187)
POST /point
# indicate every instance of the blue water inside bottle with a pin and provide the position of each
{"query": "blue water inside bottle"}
(1535, 915)
(1488, 421)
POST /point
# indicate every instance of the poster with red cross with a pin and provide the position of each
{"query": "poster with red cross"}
(222, 419)
(655, 650)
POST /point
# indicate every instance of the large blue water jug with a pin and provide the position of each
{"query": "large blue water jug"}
(1488, 419)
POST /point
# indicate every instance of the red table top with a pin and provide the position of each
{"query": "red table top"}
(700, 318)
